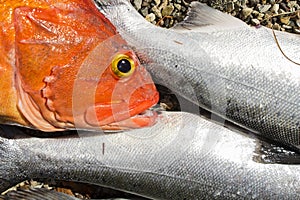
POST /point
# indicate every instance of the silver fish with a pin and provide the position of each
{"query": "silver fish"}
(223, 65)
(183, 156)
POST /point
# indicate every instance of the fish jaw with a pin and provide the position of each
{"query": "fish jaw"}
(123, 114)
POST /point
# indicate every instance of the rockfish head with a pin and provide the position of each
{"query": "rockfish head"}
(75, 71)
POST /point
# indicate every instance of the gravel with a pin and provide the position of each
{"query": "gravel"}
(281, 15)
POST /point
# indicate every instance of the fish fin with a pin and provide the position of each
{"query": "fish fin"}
(37, 194)
(202, 18)
(270, 153)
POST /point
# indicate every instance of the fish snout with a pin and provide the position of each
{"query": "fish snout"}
(130, 98)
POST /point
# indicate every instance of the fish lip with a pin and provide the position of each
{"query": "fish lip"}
(122, 113)
(150, 116)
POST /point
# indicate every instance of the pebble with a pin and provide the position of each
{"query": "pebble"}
(253, 3)
(255, 22)
(156, 11)
(150, 17)
(297, 31)
(277, 14)
(285, 19)
(246, 12)
(291, 4)
(264, 8)
(177, 6)
(272, 2)
(262, 16)
(276, 26)
(137, 4)
(275, 8)
(157, 2)
(229, 7)
(298, 22)
(144, 11)
(286, 26)
(167, 10)
(284, 7)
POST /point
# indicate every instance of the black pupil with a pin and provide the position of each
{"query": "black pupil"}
(124, 66)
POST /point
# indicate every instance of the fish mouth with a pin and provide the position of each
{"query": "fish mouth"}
(144, 119)
(119, 115)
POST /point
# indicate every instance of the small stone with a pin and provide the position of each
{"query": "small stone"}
(229, 7)
(186, 2)
(255, 22)
(137, 4)
(292, 23)
(291, 4)
(150, 17)
(144, 11)
(255, 13)
(233, 13)
(167, 11)
(296, 30)
(244, 2)
(269, 25)
(284, 7)
(276, 26)
(157, 2)
(183, 9)
(298, 22)
(287, 27)
(163, 4)
(285, 19)
(264, 8)
(275, 8)
(253, 3)
(246, 12)
(179, 16)
(156, 11)
(262, 15)
(274, 20)
(237, 4)
(177, 6)
(272, 2)
(145, 4)
(280, 11)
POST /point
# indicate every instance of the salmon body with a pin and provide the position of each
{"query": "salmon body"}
(222, 65)
(64, 66)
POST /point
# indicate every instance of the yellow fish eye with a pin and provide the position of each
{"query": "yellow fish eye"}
(122, 65)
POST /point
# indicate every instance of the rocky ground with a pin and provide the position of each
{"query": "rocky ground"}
(281, 15)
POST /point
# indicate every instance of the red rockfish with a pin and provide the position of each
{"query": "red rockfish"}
(64, 66)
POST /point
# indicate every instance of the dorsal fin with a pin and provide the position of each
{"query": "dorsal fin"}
(202, 18)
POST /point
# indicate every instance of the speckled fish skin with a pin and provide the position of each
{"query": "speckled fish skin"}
(193, 159)
(222, 64)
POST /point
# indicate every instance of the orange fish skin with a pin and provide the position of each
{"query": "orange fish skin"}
(57, 65)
